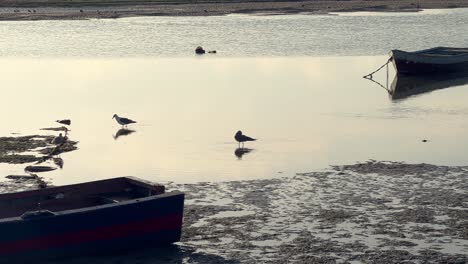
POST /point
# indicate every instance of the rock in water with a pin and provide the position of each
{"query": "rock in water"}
(199, 50)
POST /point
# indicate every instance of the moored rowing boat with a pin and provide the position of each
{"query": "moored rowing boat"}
(429, 61)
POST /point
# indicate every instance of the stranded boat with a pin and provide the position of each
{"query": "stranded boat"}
(87, 218)
(435, 60)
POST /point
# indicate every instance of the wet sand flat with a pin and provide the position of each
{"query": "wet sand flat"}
(87, 9)
(370, 212)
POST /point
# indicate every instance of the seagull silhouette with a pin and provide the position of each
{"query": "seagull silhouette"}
(239, 137)
(123, 121)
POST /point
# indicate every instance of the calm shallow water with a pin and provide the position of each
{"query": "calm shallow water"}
(307, 112)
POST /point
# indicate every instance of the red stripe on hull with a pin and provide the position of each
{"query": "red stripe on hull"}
(172, 222)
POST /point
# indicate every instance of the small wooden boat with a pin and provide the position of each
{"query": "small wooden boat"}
(435, 60)
(88, 218)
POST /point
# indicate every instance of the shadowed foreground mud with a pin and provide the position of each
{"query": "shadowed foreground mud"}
(373, 212)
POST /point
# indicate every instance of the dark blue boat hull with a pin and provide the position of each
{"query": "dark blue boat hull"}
(151, 220)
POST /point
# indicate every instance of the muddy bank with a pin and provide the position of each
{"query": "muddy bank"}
(83, 9)
(38, 152)
(374, 212)
(33, 148)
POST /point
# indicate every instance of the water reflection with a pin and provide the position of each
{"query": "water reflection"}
(123, 132)
(58, 161)
(405, 86)
(239, 152)
(311, 112)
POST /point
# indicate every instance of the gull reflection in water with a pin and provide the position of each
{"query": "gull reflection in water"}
(123, 132)
(239, 152)
(58, 161)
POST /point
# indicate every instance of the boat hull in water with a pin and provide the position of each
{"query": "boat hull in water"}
(430, 61)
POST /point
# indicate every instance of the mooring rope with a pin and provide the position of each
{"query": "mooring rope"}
(369, 76)
(381, 85)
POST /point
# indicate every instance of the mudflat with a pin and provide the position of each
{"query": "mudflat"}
(87, 9)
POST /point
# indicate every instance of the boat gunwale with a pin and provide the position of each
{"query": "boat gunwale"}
(156, 191)
(98, 207)
(437, 48)
(422, 56)
(130, 179)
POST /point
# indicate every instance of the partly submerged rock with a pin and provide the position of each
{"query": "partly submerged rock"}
(33, 168)
(64, 122)
(62, 128)
(199, 50)
(22, 177)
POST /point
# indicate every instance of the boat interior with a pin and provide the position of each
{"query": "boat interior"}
(76, 196)
(444, 51)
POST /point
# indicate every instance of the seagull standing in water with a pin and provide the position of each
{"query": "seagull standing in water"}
(239, 137)
(123, 121)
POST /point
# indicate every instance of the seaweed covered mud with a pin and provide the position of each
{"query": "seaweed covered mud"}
(36, 154)
(87, 9)
(372, 212)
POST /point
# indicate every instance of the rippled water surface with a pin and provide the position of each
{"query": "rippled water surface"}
(308, 110)
(237, 35)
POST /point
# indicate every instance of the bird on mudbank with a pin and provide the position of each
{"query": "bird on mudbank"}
(122, 120)
(239, 137)
(59, 139)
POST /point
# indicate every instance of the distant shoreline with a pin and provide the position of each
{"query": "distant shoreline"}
(16, 10)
